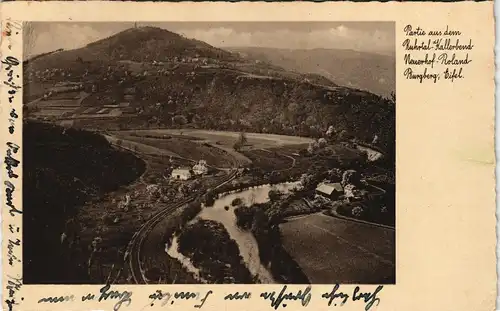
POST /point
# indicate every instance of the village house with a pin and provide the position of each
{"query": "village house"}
(181, 173)
(331, 191)
(200, 168)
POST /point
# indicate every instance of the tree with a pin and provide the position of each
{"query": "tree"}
(322, 143)
(194, 186)
(357, 211)
(242, 140)
(209, 197)
(311, 121)
(179, 120)
(342, 135)
(274, 195)
(313, 147)
(392, 99)
(349, 190)
(307, 181)
(330, 132)
(350, 177)
(335, 175)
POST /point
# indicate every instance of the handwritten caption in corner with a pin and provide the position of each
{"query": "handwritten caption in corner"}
(435, 55)
(282, 298)
(11, 85)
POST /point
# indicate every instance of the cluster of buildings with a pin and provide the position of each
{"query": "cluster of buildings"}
(331, 191)
(186, 173)
(335, 191)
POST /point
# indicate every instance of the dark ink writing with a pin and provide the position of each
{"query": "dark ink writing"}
(331, 296)
(165, 298)
(238, 296)
(56, 299)
(11, 63)
(123, 297)
(368, 298)
(10, 251)
(10, 161)
(13, 117)
(13, 286)
(425, 65)
(276, 302)
(88, 297)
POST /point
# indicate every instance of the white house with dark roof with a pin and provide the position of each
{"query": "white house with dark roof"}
(181, 173)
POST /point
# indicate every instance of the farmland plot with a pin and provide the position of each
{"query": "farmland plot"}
(187, 149)
(226, 138)
(331, 250)
(269, 161)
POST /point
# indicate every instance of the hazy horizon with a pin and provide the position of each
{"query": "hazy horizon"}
(372, 37)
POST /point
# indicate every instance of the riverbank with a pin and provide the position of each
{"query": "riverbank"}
(262, 220)
(211, 250)
(282, 266)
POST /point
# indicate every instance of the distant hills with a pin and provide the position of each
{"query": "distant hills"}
(368, 71)
(177, 78)
(136, 44)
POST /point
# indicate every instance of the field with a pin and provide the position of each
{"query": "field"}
(268, 153)
(184, 148)
(53, 112)
(216, 147)
(270, 160)
(139, 147)
(36, 90)
(65, 95)
(331, 250)
(256, 140)
(58, 105)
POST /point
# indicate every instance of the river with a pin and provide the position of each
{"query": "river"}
(245, 240)
(173, 251)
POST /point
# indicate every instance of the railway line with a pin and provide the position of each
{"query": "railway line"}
(133, 252)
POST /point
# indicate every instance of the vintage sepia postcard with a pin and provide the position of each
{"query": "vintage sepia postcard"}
(252, 156)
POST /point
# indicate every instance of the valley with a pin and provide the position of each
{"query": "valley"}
(180, 162)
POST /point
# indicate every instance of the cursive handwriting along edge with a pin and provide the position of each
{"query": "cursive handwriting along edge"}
(123, 297)
(369, 298)
(276, 302)
(166, 297)
(13, 286)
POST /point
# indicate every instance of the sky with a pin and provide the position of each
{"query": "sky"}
(378, 37)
